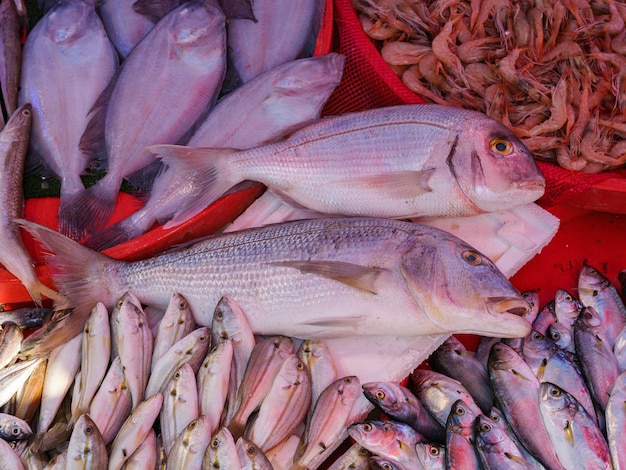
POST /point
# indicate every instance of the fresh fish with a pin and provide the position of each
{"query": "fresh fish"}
(261, 111)
(145, 456)
(516, 389)
(460, 437)
(383, 463)
(213, 381)
(250, 456)
(28, 398)
(400, 404)
(186, 47)
(326, 428)
(10, 56)
(177, 322)
(532, 297)
(189, 447)
(14, 139)
(26, 317)
(112, 403)
(562, 336)
(595, 352)
(381, 265)
(595, 290)
(355, 457)
(11, 337)
(86, 448)
(498, 418)
(615, 414)
(427, 160)
(221, 451)
(124, 26)
(13, 377)
(545, 318)
(134, 346)
(431, 456)
(578, 441)
(453, 359)
(8, 457)
(316, 357)
(285, 405)
(281, 31)
(551, 364)
(180, 406)
(387, 438)
(265, 362)
(68, 61)
(13, 428)
(438, 393)
(566, 307)
(496, 448)
(134, 430)
(230, 322)
(63, 364)
(95, 356)
(192, 349)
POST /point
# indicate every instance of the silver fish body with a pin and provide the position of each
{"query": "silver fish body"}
(615, 415)
(86, 447)
(177, 322)
(11, 337)
(401, 162)
(213, 381)
(314, 279)
(180, 406)
(389, 439)
(578, 441)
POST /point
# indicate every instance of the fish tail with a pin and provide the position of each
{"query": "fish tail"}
(38, 290)
(205, 171)
(113, 235)
(87, 212)
(82, 277)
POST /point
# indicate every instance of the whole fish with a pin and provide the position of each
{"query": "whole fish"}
(316, 357)
(186, 46)
(578, 441)
(221, 451)
(280, 31)
(261, 111)
(516, 389)
(596, 290)
(213, 381)
(180, 406)
(177, 322)
(14, 139)
(68, 61)
(401, 162)
(312, 287)
(389, 439)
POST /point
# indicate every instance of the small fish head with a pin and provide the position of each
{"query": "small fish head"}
(68, 21)
(553, 397)
(195, 21)
(461, 416)
(462, 290)
(430, 455)
(494, 169)
(591, 281)
(488, 431)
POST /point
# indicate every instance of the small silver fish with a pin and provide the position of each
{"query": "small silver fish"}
(13, 428)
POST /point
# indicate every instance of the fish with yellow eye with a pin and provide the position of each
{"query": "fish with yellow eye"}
(403, 161)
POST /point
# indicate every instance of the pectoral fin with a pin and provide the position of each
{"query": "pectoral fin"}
(402, 184)
(354, 275)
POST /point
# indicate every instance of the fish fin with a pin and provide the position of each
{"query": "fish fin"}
(354, 275)
(405, 184)
(203, 170)
(143, 179)
(88, 212)
(81, 276)
(113, 235)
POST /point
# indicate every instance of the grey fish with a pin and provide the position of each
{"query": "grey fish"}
(400, 161)
(26, 317)
(615, 415)
(496, 448)
(460, 437)
(186, 46)
(405, 264)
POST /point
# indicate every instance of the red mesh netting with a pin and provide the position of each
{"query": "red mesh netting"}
(368, 82)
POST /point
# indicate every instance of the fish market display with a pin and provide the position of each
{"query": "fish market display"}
(13, 254)
(553, 74)
(399, 162)
(186, 47)
(323, 278)
(70, 37)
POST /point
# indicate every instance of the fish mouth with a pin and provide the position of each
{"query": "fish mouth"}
(511, 305)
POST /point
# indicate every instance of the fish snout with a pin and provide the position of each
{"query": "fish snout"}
(513, 305)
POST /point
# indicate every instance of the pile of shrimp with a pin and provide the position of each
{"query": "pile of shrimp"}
(553, 71)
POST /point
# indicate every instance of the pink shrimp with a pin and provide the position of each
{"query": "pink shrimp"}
(558, 110)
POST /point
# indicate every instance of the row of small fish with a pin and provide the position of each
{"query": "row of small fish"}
(532, 402)
(144, 388)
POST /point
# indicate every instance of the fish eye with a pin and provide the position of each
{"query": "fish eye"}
(120, 302)
(555, 336)
(215, 443)
(182, 305)
(485, 427)
(367, 427)
(380, 395)
(386, 466)
(471, 257)
(555, 392)
(459, 411)
(16, 431)
(434, 451)
(502, 147)
(251, 451)
(537, 335)
(300, 365)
